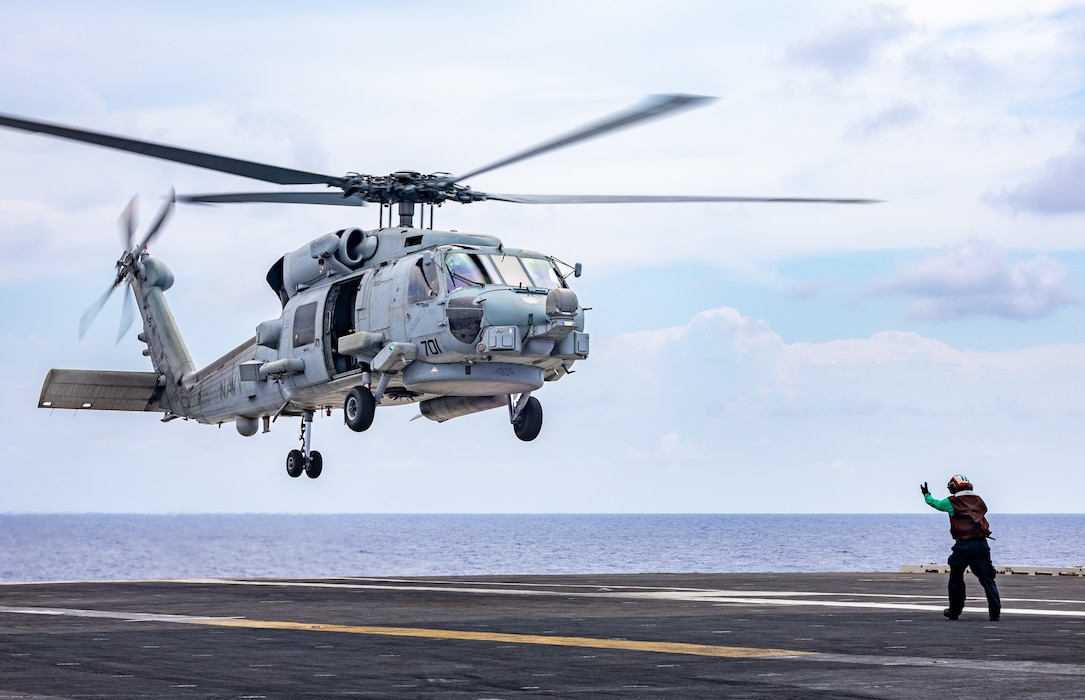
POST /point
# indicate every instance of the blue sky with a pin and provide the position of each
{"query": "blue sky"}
(745, 358)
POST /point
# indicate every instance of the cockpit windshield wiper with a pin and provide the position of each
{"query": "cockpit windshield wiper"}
(458, 276)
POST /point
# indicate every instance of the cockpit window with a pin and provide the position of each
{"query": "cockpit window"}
(512, 271)
(465, 270)
(542, 272)
(474, 270)
(422, 283)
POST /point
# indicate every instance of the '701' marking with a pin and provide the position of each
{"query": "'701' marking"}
(431, 347)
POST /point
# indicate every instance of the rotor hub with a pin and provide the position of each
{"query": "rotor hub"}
(408, 186)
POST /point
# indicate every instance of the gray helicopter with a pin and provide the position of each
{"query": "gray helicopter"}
(456, 323)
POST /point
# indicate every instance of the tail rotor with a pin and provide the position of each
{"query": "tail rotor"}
(126, 265)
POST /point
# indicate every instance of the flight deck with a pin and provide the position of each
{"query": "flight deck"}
(844, 635)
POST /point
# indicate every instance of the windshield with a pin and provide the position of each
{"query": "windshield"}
(474, 270)
(467, 270)
(512, 271)
(542, 273)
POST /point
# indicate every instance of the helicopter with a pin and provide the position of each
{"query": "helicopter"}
(455, 323)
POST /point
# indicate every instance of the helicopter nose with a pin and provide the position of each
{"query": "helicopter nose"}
(561, 303)
(509, 307)
(520, 322)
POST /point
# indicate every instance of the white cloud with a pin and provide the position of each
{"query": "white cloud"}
(1059, 189)
(740, 365)
(849, 47)
(977, 279)
(964, 68)
(700, 408)
(808, 289)
(725, 398)
(677, 419)
(897, 116)
(1072, 33)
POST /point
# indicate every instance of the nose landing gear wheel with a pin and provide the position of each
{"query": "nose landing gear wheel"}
(295, 463)
(529, 423)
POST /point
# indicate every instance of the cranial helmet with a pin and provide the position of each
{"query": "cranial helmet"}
(959, 482)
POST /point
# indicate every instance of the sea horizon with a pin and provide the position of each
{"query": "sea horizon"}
(111, 546)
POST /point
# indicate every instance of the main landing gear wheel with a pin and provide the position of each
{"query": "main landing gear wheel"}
(528, 424)
(359, 408)
(295, 463)
(315, 465)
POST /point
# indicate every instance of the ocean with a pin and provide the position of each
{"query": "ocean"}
(127, 547)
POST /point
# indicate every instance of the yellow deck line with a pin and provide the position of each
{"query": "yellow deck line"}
(549, 640)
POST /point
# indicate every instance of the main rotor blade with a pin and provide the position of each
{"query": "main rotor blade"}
(333, 198)
(634, 199)
(91, 313)
(656, 106)
(210, 161)
(163, 215)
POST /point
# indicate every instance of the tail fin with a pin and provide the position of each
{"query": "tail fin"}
(165, 347)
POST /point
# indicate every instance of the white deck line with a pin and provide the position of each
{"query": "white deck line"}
(719, 597)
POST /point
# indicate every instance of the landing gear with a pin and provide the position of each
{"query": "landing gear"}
(304, 460)
(315, 465)
(295, 463)
(527, 417)
(359, 408)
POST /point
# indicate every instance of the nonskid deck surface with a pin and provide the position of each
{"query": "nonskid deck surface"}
(621, 636)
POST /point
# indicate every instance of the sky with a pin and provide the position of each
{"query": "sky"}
(744, 358)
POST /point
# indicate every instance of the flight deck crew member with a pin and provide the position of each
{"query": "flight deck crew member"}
(970, 531)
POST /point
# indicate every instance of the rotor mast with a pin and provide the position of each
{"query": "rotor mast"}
(406, 214)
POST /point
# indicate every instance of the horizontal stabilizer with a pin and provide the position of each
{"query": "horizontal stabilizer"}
(100, 390)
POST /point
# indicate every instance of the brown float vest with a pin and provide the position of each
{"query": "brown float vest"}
(967, 521)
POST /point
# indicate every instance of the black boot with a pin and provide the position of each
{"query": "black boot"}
(950, 615)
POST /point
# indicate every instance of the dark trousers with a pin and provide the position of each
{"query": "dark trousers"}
(977, 555)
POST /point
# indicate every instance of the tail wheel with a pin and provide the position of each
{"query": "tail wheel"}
(295, 463)
(359, 409)
(528, 424)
